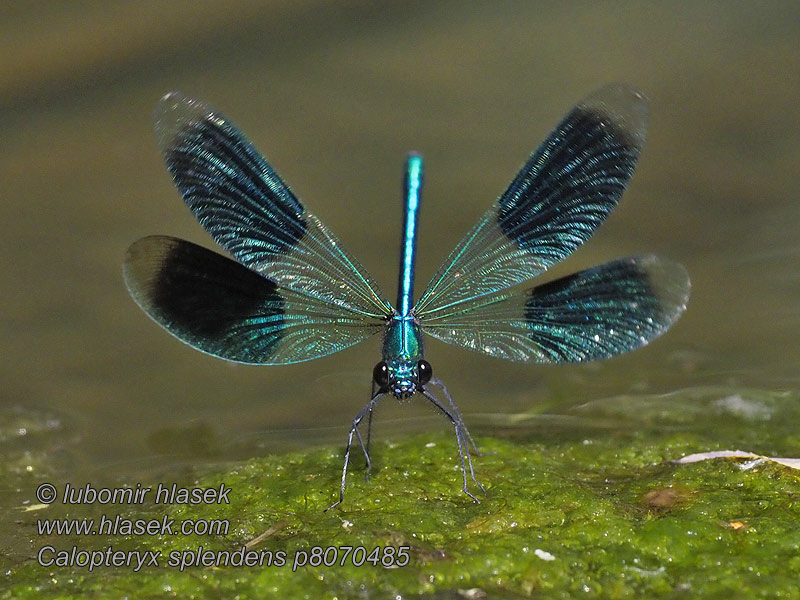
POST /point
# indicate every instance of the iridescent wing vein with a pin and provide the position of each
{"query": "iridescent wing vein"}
(295, 292)
(561, 195)
(246, 207)
(597, 313)
(220, 307)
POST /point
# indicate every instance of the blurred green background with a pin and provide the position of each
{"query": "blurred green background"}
(334, 95)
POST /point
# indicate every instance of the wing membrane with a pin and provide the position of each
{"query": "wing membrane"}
(597, 313)
(220, 307)
(243, 203)
(564, 191)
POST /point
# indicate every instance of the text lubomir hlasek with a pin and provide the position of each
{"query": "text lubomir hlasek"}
(164, 494)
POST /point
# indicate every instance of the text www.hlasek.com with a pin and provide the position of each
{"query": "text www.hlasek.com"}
(118, 525)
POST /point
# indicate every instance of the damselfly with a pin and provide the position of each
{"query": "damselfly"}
(293, 293)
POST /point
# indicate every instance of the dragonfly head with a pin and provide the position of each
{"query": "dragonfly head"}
(402, 378)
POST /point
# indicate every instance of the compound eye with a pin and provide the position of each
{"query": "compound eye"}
(380, 375)
(425, 371)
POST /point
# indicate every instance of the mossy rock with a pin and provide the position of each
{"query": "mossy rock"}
(589, 510)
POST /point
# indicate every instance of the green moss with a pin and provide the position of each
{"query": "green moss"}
(591, 512)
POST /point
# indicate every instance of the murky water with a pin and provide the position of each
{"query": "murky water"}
(335, 97)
